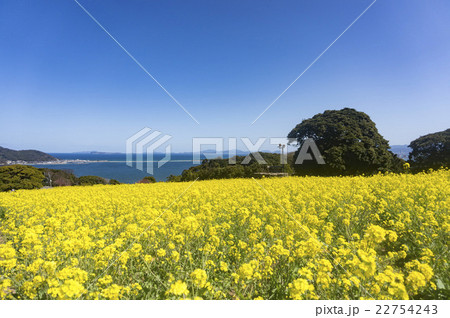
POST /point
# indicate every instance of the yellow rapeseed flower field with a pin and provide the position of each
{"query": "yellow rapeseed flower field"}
(382, 237)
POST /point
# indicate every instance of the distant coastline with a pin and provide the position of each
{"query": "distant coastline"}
(114, 165)
(52, 162)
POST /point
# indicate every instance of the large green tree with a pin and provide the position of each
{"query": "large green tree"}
(20, 177)
(430, 151)
(349, 142)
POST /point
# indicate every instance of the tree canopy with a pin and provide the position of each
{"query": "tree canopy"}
(20, 177)
(244, 167)
(114, 182)
(349, 142)
(58, 178)
(430, 151)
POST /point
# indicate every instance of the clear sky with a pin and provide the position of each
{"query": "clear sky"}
(66, 86)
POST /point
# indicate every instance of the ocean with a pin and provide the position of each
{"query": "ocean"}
(114, 166)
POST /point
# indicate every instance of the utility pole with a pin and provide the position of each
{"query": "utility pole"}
(282, 159)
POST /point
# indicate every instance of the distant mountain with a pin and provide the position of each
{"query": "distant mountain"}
(93, 152)
(24, 155)
(402, 151)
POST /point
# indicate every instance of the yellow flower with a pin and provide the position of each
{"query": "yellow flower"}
(175, 256)
(136, 249)
(375, 234)
(55, 243)
(392, 236)
(113, 292)
(161, 252)
(269, 230)
(299, 287)
(106, 280)
(416, 280)
(70, 289)
(245, 271)
(199, 277)
(223, 266)
(7, 256)
(178, 288)
(148, 258)
(426, 271)
(5, 290)
(305, 272)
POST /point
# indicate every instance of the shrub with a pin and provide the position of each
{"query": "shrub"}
(91, 180)
(148, 179)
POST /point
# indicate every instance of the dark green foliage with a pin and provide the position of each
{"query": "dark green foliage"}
(430, 151)
(20, 177)
(58, 178)
(148, 179)
(349, 143)
(114, 182)
(222, 169)
(173, 178)
(24, 155)
(91, 180)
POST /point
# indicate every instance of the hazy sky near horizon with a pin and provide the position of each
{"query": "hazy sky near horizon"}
(66, 86)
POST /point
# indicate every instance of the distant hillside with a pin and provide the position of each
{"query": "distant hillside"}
(24, 155)
(402, 151)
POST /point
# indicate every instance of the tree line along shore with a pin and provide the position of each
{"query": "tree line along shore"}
(348, 140)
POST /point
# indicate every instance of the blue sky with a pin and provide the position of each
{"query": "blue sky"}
(66, 86)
